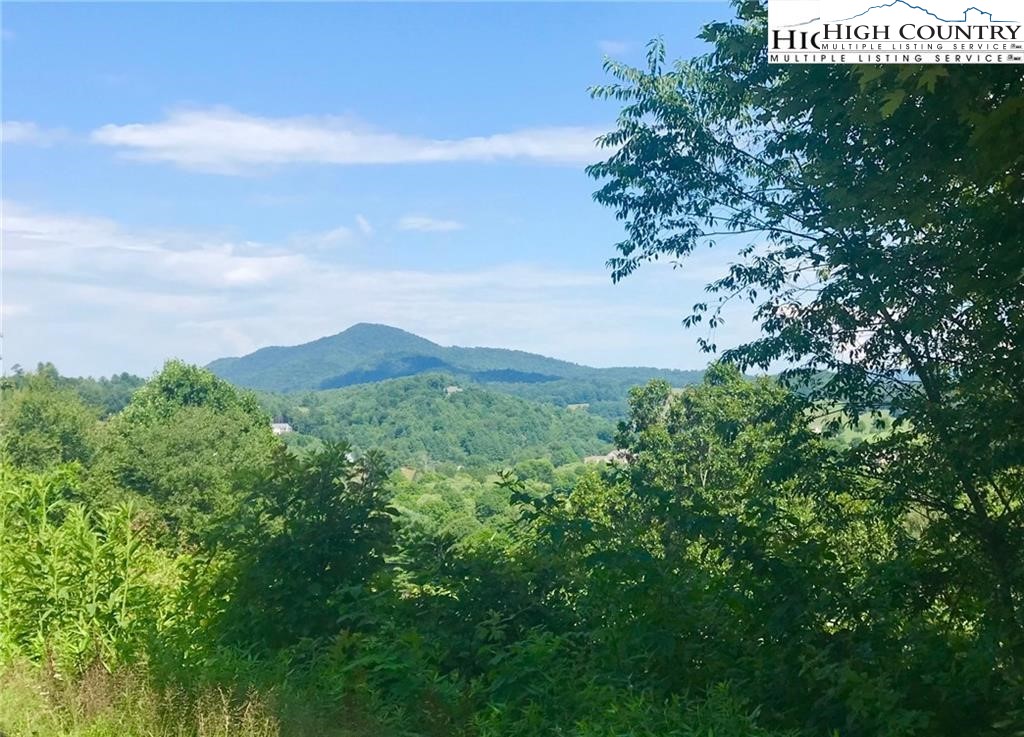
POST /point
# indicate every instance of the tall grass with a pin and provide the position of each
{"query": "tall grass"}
(97, 637)
(75, 585)
(37, 702)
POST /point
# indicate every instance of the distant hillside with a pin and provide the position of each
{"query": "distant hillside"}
(107, 396)
(368, 353)
(431, 419)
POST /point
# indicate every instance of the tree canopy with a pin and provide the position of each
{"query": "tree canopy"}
(881, 211)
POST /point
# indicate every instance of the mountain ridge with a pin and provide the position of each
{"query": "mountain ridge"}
(367, 353)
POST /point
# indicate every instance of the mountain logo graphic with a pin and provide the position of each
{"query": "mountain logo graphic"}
(903, 4)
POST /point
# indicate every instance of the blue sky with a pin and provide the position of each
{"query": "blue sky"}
(199, 180)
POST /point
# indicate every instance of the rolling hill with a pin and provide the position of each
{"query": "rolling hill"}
(367, 353)
(430, 419)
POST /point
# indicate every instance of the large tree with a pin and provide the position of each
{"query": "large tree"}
(43, 424)
(186, 443)
(881, 208)
(735, 547)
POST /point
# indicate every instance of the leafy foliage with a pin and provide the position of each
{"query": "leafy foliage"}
(312, 531)
(43, 425)
(904, 286)
(181, 445)
(78, 583)
(427, 420)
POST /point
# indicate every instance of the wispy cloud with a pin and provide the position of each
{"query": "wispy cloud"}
(341, 234)
(610, 47)
(428, 224)
(28, 133)
(74, 249)
(87, 288)
(221, 140)
(360, 231)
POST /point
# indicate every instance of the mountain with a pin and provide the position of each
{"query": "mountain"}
(367, 353)
(907, 10)
(323, 363)
(430, 419)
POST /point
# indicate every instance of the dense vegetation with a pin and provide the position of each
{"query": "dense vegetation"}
(425, 420)
(106, 395)
(760, 562)
(738, 540)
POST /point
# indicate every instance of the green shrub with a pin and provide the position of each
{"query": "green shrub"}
(75, 585)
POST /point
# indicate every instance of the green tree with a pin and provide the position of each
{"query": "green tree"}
(186, 443)
(738, 545)
(878, 252)
(43, 424)
(312, 535)
(536, 469)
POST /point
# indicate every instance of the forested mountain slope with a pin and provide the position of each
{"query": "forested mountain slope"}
(368, 353)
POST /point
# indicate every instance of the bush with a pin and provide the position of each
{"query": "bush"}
(75, 585)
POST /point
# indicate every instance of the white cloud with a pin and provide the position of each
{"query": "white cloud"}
(428, 225)
(610, 47)
(95, 296)
(78, 249)
(224, 141)
(335, 235)
(359, 232)
(24, 132)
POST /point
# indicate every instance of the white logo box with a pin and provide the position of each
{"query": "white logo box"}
(895, 32)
